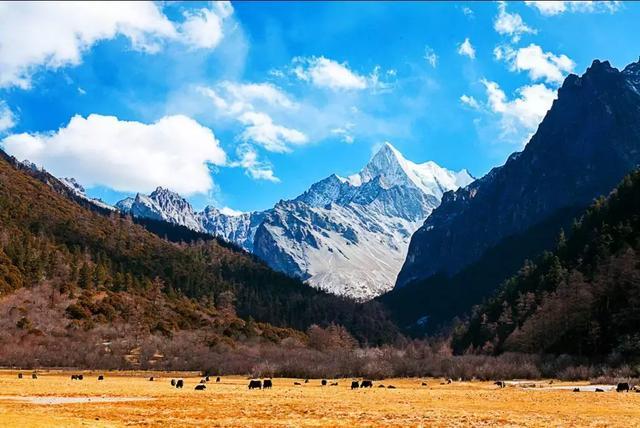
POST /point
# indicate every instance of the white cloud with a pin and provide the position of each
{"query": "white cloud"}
(466, 48)
(56, 34)
(345, 133)
(261, 130)
(469, 101)
(510, 24)
(248, 104)
(539, 64)
(523, 113)
(231, 212)
(175, 152)
(7, 117)
(327, 73)
(550, 8)
(203, 28)
(430, 56)
(256, 169)
(468, 12)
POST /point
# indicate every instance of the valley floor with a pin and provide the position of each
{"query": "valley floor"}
(130, 399)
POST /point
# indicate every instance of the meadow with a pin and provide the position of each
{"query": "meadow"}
(131, 399)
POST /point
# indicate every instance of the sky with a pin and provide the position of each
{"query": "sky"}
(240, 105)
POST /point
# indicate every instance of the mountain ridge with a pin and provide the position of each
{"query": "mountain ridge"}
(311, 235)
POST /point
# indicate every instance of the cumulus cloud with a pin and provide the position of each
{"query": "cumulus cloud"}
(430, 56)
(261, 130)
(468, 12)
(175, 152)
(539, 64)
(327, 73)
(203, 28)
(522, 113)
(248, 104)
(510, 24)
(466, 49)
(7, 118)
(255, 168)
(469, 101)
(345, 133)
(550, 8)
(56, 34)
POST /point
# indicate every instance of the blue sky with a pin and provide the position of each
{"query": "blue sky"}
(241, 105)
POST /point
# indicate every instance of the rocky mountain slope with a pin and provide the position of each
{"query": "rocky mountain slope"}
(347, 236)
(586, 143)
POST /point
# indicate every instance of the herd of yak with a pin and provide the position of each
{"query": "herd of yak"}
(268, 383)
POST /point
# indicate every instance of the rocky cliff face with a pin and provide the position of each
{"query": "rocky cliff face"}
(584, 146)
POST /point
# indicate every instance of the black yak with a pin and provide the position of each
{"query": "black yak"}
(622, 387)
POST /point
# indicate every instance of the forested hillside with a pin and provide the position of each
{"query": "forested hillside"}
(581, 299)
(48, 239)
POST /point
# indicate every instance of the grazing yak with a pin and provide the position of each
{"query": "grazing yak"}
(576, 389)
(203, 380)
(500, 383)
(366, 384)
(173, 382)
(77, 377)
(334, 384)
(323, 382)
(599, 390)
(207, 378)
(255, 384)
(355, 384)
(101, 377)
(381, 386)
(391, 387)
(306, 381)
(200, 387)
(34, 376)
(179, 383)
(622, 387)
(19, 375)
(424, 384)
(218, 379)
(267, 384)
(80, 377)
(449, 381)
(297, 383)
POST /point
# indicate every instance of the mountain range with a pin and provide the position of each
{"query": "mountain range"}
(347, 236)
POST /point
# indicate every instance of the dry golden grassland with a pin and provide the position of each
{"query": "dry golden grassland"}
(230, 403)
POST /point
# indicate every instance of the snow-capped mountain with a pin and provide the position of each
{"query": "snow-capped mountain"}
(348, 236)
(79, 191)
(237, 228)
(164, 205)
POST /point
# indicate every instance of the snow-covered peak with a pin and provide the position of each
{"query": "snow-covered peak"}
(162, 204)
(395, 170)
(77, 188)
